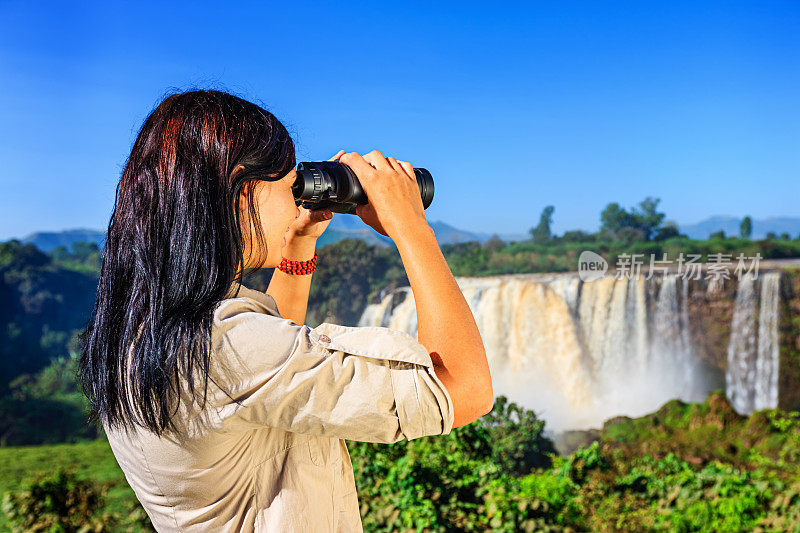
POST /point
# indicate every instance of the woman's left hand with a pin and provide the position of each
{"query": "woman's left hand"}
(311, 223)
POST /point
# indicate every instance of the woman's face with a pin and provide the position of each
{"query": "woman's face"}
(274, 202)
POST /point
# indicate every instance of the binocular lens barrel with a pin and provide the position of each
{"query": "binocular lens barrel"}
(333, 185)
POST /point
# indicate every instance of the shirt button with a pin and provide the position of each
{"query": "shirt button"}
(324, 338)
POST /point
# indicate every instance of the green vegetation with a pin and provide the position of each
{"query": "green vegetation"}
(639, 230)
(46, 408)
(686, 467)
(44, 301)
(640, 223)
(64, 502)
(746, 228)
(67, 484)
(560, 254)
(542, 233)
(349, 273)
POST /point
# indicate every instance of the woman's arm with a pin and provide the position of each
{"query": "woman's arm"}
(447, 328)
(290, 291)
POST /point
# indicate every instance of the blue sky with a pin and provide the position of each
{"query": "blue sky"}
(512, 106)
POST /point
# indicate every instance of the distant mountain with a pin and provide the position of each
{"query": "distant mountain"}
(351, 227)
(447, 234)
(342, 227)
(730, 225)
(47, 241)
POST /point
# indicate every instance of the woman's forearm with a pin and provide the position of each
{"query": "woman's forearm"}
(290, 291)
(446, 326)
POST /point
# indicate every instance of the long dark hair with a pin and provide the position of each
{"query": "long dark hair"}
(173, 250)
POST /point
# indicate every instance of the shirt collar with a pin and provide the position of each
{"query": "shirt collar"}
(237, 290)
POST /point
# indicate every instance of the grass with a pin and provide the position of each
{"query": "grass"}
(92, 460)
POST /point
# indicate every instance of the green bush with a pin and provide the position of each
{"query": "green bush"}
(716, 498)
(498, 474)
(517, 438)
(46, 408)
(444, 483)
(59, 502)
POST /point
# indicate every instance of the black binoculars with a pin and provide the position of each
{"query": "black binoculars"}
(333, 185)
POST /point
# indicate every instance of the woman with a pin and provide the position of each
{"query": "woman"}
(225, 412)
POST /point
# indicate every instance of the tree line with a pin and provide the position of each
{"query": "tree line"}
(641, 223)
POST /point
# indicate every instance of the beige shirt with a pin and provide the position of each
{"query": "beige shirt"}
(278, 462)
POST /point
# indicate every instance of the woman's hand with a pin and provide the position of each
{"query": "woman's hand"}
(395, 203)
(311, 224)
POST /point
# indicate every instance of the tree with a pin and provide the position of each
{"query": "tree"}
(647, 219)
(517, 436)
(644, 219)
(349, 272)
(542, 233)
(667, 231)
(495, 243)
(578, 236)
(746, 227)
(42, 304)
(613, 218)
(630, 235)
(717, 235)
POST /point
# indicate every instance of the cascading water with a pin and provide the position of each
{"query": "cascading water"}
(579, 352)
(768, 344)
(576, 352)
(672, 346)
(752, 375)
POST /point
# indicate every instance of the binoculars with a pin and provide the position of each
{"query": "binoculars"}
(333, 185)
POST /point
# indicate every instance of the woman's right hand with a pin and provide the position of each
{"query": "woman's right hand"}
(391, 188)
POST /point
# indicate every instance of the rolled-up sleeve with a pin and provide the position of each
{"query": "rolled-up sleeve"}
(369, 384)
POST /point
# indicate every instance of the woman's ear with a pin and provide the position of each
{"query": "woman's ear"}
(248, 195)
(243, 194)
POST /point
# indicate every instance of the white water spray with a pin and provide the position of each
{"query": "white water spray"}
(576, 352)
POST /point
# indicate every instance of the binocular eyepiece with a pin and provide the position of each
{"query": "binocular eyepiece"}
(333, 185)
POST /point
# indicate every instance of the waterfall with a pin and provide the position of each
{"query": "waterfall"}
(671, 343)
(576, 352)
(768, 344)
(752, 375)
